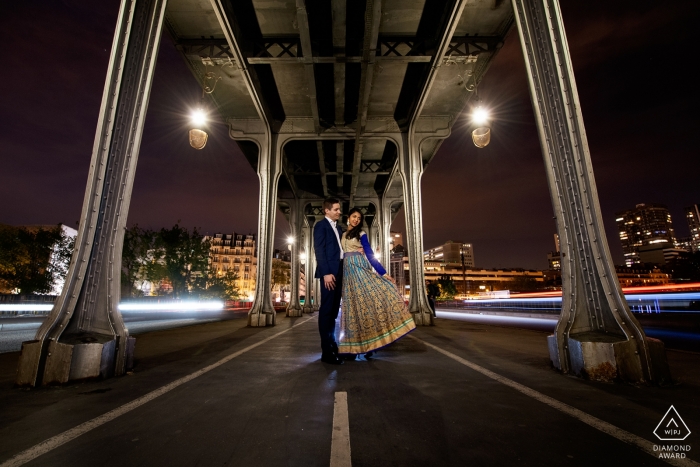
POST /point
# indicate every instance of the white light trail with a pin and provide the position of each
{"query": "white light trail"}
(179, 306)
(14, 307)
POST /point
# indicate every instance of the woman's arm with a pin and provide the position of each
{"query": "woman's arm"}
(370, 255)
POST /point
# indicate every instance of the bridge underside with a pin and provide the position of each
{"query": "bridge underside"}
(349, 99)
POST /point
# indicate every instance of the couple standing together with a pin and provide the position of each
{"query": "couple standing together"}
(373, 313)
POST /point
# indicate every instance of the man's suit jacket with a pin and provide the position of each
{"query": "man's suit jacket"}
(326, 248)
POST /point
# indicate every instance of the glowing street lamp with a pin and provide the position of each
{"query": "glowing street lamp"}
(198, 137)
(481, 136)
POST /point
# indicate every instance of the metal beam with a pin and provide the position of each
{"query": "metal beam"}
(305, 39)
(322, 167)
(373, 16)
(301, 172)
(274, 60)
(262, 313)
(293, 49)
(411, 170)
(339, 161)
(339, 31)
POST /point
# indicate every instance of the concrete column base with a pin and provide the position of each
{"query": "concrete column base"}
(293, 312)
(83, 357)
(608, 358)
(423, 318)
(28, 368)
(260, 320)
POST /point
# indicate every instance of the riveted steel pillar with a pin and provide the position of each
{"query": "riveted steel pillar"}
(309, 269)
(295, 219)
(262, 313)
(316, 282)
(597, 336)
(411, 170)
(384, 216)
(85, 336)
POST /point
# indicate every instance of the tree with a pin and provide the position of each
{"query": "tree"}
(448, 290)
(139, 246)
(281, 274)
(685, 268)
(33, 260)
(185, 259)
(222, 286)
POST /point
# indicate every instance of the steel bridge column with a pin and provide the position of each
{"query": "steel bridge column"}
(294, 308)
(84, 336)
(597, 336)
(411, 170)
(384, 215)
(309, 269)
(262, 313)
(316, 282)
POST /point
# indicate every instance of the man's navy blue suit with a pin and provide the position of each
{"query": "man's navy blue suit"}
(328, 262)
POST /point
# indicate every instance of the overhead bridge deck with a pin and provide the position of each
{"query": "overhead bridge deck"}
(457, 394)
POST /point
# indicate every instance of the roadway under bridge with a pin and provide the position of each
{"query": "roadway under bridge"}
(349, 99)
(460, 393)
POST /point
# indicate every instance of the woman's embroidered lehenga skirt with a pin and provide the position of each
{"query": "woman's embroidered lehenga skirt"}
(373, 313)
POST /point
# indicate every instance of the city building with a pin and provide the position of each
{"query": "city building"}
(281, 291)
(646, 224)
(554, 257)
(635, 276)
(692, 216)
(395, 239)
(474, 281)
(452, 253)
(399, 267)
(235, 252)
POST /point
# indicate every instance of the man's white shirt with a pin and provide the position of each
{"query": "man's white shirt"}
(335, 230)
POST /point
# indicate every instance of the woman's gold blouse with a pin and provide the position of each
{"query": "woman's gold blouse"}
(352, 244)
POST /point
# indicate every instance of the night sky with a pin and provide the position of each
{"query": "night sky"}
(633, 62)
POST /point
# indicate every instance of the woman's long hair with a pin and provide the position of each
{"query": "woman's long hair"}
(354, 232)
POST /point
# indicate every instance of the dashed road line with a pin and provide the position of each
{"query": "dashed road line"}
(340, 444)
(605, 427)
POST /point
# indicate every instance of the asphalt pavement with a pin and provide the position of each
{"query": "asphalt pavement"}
(458, 393)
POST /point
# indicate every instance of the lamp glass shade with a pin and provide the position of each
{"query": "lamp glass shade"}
(198, 138)
(481, 137)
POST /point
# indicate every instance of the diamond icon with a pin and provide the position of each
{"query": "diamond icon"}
(672, 427)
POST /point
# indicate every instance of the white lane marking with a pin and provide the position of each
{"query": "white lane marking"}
(605, 427)
(340, 444)
(69, 435)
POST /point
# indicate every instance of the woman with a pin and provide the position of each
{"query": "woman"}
(373, 312)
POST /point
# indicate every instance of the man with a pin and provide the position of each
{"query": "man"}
(329, 269)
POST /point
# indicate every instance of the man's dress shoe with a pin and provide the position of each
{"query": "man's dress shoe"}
(331, 359)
